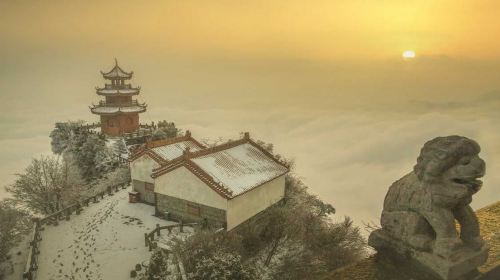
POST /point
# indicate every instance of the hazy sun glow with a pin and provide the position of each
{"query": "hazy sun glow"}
(408, 54)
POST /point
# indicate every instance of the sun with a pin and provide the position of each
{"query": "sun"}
(408, 54)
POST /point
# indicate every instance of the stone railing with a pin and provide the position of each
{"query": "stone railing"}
(32, 262)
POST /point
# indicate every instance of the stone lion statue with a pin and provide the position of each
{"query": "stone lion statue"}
(421, 208)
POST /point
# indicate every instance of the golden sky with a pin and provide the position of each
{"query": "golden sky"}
(344, 29)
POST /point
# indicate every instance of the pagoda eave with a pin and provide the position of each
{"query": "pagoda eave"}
(116, 77)
(117, 110)
(117, 73)
(117, 92)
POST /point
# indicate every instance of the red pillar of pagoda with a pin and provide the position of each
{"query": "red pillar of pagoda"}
(119, 112)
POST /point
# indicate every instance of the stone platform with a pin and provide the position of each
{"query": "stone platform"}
(377, 267)
(461, 266)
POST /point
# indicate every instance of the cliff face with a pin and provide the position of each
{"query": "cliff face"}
(368, 269)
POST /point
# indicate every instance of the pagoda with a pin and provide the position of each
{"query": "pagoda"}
(119, 112)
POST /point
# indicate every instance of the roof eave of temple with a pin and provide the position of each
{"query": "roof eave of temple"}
(133, 91)
(117, 73)
(141, 110)
(118, 113)
(113, 76)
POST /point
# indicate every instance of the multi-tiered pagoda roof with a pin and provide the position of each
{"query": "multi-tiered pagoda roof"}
(118, 94)
(118, 87)
(117, 73)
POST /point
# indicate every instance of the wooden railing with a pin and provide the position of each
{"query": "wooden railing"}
(151, 244)
(139, 137)
(151, 126)
(32, 263)
(146, 129)
(149, 237)
(147, 126)
(139, 133)
(91, 126)
(111, 86)
(119, 104)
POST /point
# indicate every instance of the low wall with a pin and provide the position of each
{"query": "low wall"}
(177, 209)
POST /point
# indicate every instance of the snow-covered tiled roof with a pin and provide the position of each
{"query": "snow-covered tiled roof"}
(230, 169)
(105, 110)
(166, 150)
(117, 73)
(132, 109)
(130, 91)
(240, 168)
(114, 110)
(175, 150)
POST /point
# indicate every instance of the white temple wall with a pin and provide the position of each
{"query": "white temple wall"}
(247, 205)
(141, 168)
(183, 184)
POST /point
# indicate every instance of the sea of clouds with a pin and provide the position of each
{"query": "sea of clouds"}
(348, 158)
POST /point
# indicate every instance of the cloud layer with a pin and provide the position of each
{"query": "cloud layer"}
(348, 158)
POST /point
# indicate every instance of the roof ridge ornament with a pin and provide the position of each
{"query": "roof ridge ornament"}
(187, 152)
(117, 73)
(246, 135)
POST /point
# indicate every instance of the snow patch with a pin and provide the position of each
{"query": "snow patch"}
(105, 241)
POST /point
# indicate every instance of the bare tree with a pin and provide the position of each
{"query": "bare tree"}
(47, 184)
(13, 223)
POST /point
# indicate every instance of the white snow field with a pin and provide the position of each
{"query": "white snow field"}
(104, 242)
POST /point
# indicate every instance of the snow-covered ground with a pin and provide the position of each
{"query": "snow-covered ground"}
(164, 240)
(104, 242)
(19, 255)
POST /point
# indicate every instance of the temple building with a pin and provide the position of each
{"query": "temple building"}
(154, 154)
(119, 111)
(225, 185)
